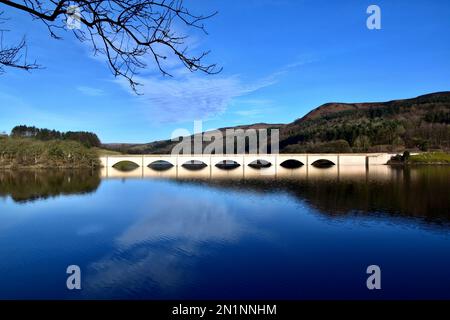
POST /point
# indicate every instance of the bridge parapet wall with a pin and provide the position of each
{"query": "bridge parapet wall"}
(352, 160)
(378, 159)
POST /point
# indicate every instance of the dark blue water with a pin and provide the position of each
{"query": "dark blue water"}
(225, 239)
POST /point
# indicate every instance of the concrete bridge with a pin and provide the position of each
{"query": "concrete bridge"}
(275, 160)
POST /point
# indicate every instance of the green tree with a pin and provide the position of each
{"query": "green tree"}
(362, 143)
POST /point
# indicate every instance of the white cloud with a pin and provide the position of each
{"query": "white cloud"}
(189, 97)
(90, 91)
(194, 96)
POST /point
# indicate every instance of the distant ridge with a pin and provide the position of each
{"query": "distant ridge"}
(419, 123)
(335, 107)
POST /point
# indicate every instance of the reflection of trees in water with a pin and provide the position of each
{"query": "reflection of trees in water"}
(421, 192)
(30, 185)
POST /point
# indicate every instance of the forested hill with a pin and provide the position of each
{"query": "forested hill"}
(420, 123)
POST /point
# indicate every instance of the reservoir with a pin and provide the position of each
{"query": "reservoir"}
(211, 234)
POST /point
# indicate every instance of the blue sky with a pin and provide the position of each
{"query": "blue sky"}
(281, 58)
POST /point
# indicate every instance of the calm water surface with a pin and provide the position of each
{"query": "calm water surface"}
(199, 237)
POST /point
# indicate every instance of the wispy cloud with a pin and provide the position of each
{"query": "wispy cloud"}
(191, 96)
(188, 97)
(90, 91)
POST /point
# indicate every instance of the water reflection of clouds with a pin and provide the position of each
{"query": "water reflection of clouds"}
(156, 253)
(193, 220)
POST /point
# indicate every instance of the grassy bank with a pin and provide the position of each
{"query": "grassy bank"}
(104, 152)
(430, 158)
(32, 153)
(422, 158)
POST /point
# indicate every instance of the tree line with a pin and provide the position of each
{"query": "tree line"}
(88, 139)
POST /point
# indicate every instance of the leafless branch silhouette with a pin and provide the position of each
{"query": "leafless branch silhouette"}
(124, 31)
(13, 56)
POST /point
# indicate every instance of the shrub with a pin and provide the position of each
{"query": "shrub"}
(406, 155)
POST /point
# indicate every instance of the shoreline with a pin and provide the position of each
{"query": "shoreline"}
(15, 167)
(418, 164)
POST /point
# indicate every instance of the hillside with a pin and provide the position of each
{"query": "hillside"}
(165, 146)
(420, 123)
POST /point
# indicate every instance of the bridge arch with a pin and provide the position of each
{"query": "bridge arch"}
(149, 160)
(292, 164)
(260, 164)
(323, 163)
(227, 164)
(160, 165)
(194, 165)
(125, 165)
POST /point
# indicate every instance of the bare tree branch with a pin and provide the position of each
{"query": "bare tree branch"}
(14, 56)
(126, 32)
